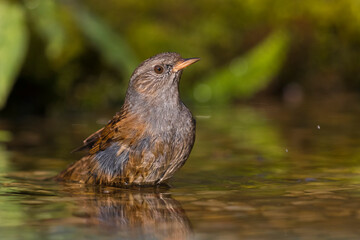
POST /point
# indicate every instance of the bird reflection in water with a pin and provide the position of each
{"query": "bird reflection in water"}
(150, 213)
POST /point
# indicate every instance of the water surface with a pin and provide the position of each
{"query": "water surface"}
(258, 171)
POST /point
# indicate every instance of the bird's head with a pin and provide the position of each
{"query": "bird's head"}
(158, 75)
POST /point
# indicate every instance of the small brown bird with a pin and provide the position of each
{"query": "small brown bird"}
(149, 139)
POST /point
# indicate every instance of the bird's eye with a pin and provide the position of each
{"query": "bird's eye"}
(158, 69)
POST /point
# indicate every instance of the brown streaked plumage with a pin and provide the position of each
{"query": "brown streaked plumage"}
(149, 139)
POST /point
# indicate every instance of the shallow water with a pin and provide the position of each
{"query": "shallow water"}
(259, 171)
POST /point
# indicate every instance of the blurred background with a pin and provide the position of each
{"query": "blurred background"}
(78, 55)
(276, 97)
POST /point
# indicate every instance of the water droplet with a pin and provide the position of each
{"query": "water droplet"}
(203, 116)
(286, 150)
(318, 126)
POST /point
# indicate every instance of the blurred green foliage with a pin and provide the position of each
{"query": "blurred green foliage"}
(245, 75)
(81, 54)
(13, 44)
(112, 46)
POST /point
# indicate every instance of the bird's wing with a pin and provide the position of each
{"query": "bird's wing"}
(102, 140)
(124, 128)
(125, 149)
(101, 136)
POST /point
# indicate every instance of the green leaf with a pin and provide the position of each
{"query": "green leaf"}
(113, 48)
(13, 46)
(245, 75)
(46, 18)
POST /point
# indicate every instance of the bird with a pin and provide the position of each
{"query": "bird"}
(149, 139)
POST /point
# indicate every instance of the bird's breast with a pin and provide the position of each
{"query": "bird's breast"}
(161, 146)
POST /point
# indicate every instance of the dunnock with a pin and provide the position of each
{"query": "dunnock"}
(149, 139)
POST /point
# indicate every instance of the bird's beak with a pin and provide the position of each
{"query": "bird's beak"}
(183, 63)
